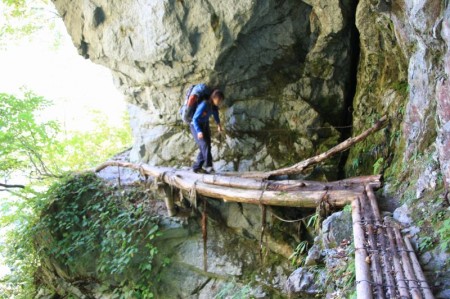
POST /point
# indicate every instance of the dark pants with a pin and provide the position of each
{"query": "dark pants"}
(204, 144)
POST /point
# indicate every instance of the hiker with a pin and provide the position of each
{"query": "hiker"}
(201, 104)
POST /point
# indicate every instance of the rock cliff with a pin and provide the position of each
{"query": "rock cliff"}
(285, 67)
(296, 74)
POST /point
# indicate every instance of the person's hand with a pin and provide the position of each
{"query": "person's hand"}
(200, 135)
(219, 128)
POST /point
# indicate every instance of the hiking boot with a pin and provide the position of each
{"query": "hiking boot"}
(209, 170)
(198, 170)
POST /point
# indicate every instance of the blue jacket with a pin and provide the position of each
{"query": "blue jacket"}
(204, 111)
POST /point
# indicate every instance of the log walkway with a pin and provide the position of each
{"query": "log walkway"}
(386, 265)
(385, 261)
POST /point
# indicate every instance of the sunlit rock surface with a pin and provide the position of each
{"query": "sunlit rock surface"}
(284, 66)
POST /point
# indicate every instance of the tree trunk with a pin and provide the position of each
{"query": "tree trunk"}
(305, 164)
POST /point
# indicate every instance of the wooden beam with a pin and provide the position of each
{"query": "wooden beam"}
(399, 275)
(427, 294)
(409, 272)
(374, 256)
(363, 280)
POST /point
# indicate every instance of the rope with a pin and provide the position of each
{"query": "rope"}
(287, 220)
(383, 250)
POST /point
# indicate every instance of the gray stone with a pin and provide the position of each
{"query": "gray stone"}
(444, 294)
(302, 283)
(403, 215)
(425, 258)
(336, 228)
(314, 255)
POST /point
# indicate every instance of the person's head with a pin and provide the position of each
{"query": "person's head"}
(217, 97)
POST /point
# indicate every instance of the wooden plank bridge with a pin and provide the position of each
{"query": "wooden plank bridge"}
(385, 262)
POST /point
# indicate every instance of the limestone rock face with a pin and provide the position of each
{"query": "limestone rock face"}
(284, 67)
(403, 72)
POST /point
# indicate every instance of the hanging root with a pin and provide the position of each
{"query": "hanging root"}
(205, 236)
(263, 229)
(193, 195)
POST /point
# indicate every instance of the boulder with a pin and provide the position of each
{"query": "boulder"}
(403, 215)
(304, 284)
(337, 228)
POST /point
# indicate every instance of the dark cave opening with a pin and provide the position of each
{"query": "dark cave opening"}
(347, 114)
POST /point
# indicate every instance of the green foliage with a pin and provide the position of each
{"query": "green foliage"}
(347, 209)
(444, 235)
(91, 227)
(401, 87)
(17, 248)
(425, 243)
(23, 137)
(231, 291)
(23, 18)
(343, 275)
(378, 165)
(39, 147)
(35, 151)
(298, 256)
(75, 152)
(314, 221)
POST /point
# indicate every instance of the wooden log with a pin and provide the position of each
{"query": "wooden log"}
(399, 275)
(223, 179)
(409, 272)
(382, 238)
(305, 164)
(427, 294)
(228, 180)
(362, 272)
(186, 180)
(374, 257)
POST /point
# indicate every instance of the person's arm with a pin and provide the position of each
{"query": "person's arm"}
(195, 120)
(215, 113)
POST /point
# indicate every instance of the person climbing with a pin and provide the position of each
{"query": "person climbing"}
(205, 103)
